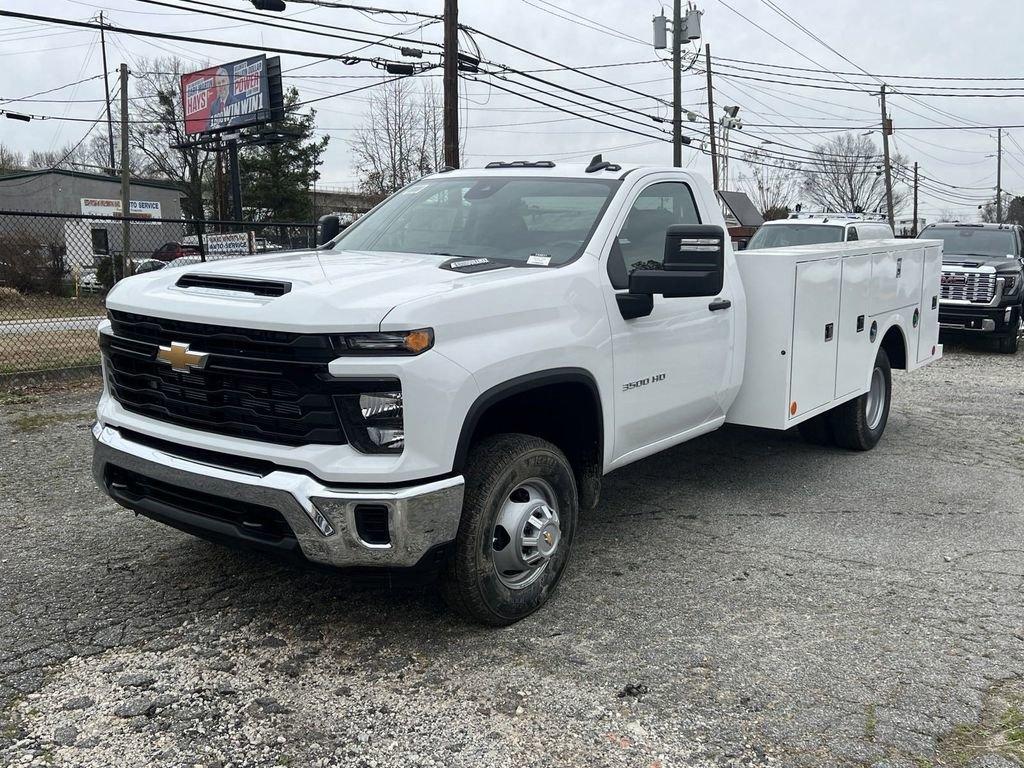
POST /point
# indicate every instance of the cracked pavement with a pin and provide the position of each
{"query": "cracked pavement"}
(771, 603)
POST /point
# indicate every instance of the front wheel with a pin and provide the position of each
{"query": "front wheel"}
(517, 528)
(859, 423)
(1008, 344)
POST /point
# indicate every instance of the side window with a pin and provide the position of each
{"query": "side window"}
(851, 234)
(641, 241)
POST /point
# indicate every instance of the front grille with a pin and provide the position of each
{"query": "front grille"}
(260, 385)
(968, 286)
(256, 520)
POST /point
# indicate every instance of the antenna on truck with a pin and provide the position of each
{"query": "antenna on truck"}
(597, 164)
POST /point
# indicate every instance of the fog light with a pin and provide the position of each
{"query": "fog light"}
(388, 438)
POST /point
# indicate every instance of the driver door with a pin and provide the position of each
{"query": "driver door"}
(671, 367)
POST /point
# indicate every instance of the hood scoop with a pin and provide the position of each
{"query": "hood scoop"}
(228, 283)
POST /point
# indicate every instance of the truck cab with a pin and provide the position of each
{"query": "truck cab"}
(808, 229)
(981, 281)
(444, 383)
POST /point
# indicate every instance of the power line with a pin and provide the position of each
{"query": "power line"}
(884, 76)
(32, 96)
(269, 20)
(187, 39)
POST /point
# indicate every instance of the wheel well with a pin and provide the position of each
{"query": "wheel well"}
(895, 347)
(563, 410)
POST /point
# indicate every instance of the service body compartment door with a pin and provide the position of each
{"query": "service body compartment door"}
(931, 275)
(908, 277)
(885, 295)
(856, 352)
(815, 319)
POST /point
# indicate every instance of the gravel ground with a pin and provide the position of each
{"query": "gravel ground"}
(741, 600)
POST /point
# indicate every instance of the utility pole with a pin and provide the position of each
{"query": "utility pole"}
(451, 83)
(126, 180)
(711, 118)
(106, 86)
(677, 84)
(999, 178)
(886, 131)
(913, 229)
(235, 172)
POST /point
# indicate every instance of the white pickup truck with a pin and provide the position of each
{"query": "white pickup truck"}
(444, 384)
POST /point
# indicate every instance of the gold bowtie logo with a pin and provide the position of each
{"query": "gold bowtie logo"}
(181, 358)
(549, 538)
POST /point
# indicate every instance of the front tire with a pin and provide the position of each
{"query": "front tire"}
(859, 423)
(518, 523)
(1008, 344)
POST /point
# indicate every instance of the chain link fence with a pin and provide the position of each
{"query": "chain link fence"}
(56, 269)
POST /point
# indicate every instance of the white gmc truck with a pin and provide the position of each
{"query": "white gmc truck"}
(444, 384)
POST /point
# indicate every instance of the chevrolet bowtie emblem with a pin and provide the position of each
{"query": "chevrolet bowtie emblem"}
(181, 358)
(549, 538)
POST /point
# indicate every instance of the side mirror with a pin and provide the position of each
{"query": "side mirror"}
(694, 264)
(327, 228)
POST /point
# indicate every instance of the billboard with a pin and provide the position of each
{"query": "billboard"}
(230, 95)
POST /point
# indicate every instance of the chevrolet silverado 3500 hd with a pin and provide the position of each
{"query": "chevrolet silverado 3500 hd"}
(446, 381)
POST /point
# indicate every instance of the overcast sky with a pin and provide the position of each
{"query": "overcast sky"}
(901, 37)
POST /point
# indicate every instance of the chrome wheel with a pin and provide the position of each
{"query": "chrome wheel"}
(526, 533)
(874, 406)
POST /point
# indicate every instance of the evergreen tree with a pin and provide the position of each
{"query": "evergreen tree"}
(277, 179)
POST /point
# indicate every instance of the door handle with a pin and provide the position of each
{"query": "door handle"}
(718, 304)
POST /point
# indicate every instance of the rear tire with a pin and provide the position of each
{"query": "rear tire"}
(859, 423)
(518, 523)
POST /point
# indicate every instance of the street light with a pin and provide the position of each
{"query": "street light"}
(269, 5)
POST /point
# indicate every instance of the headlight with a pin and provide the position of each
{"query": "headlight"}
(1010, 284)
(386, 342)
(373, 416)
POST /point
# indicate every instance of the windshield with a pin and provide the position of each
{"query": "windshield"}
(968, 241)
(501, 218)
(782, 235)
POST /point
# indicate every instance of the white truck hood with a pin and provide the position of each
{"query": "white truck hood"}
(330, 291)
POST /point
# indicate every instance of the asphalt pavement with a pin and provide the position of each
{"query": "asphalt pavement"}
(744, 599)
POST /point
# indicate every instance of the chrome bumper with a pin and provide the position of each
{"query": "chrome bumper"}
(321, 517)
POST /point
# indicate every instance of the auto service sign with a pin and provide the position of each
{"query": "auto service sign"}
(137, 209)
(227, 96)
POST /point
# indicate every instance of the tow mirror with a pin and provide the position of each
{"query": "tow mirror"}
(327, 228)
(694, 264)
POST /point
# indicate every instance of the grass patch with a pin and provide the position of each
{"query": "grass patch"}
(870, 723)
(11, 398)
(32, 306)
(47, 350)
(33, 422)
(1000, 733)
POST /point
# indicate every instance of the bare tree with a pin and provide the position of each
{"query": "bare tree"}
(401, 138)
(69, 156)
(159, 131)
(771, 186)
(10, 160)
(845, 174)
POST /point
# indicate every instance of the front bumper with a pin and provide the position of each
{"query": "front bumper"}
(963, 318)
(321, 519)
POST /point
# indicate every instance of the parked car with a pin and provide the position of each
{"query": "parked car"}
(263, 245)
(445, 383)
(184, 261)
(982, 281)
(141, 266)
(171, 251)
(782, 233)
(89, 282)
